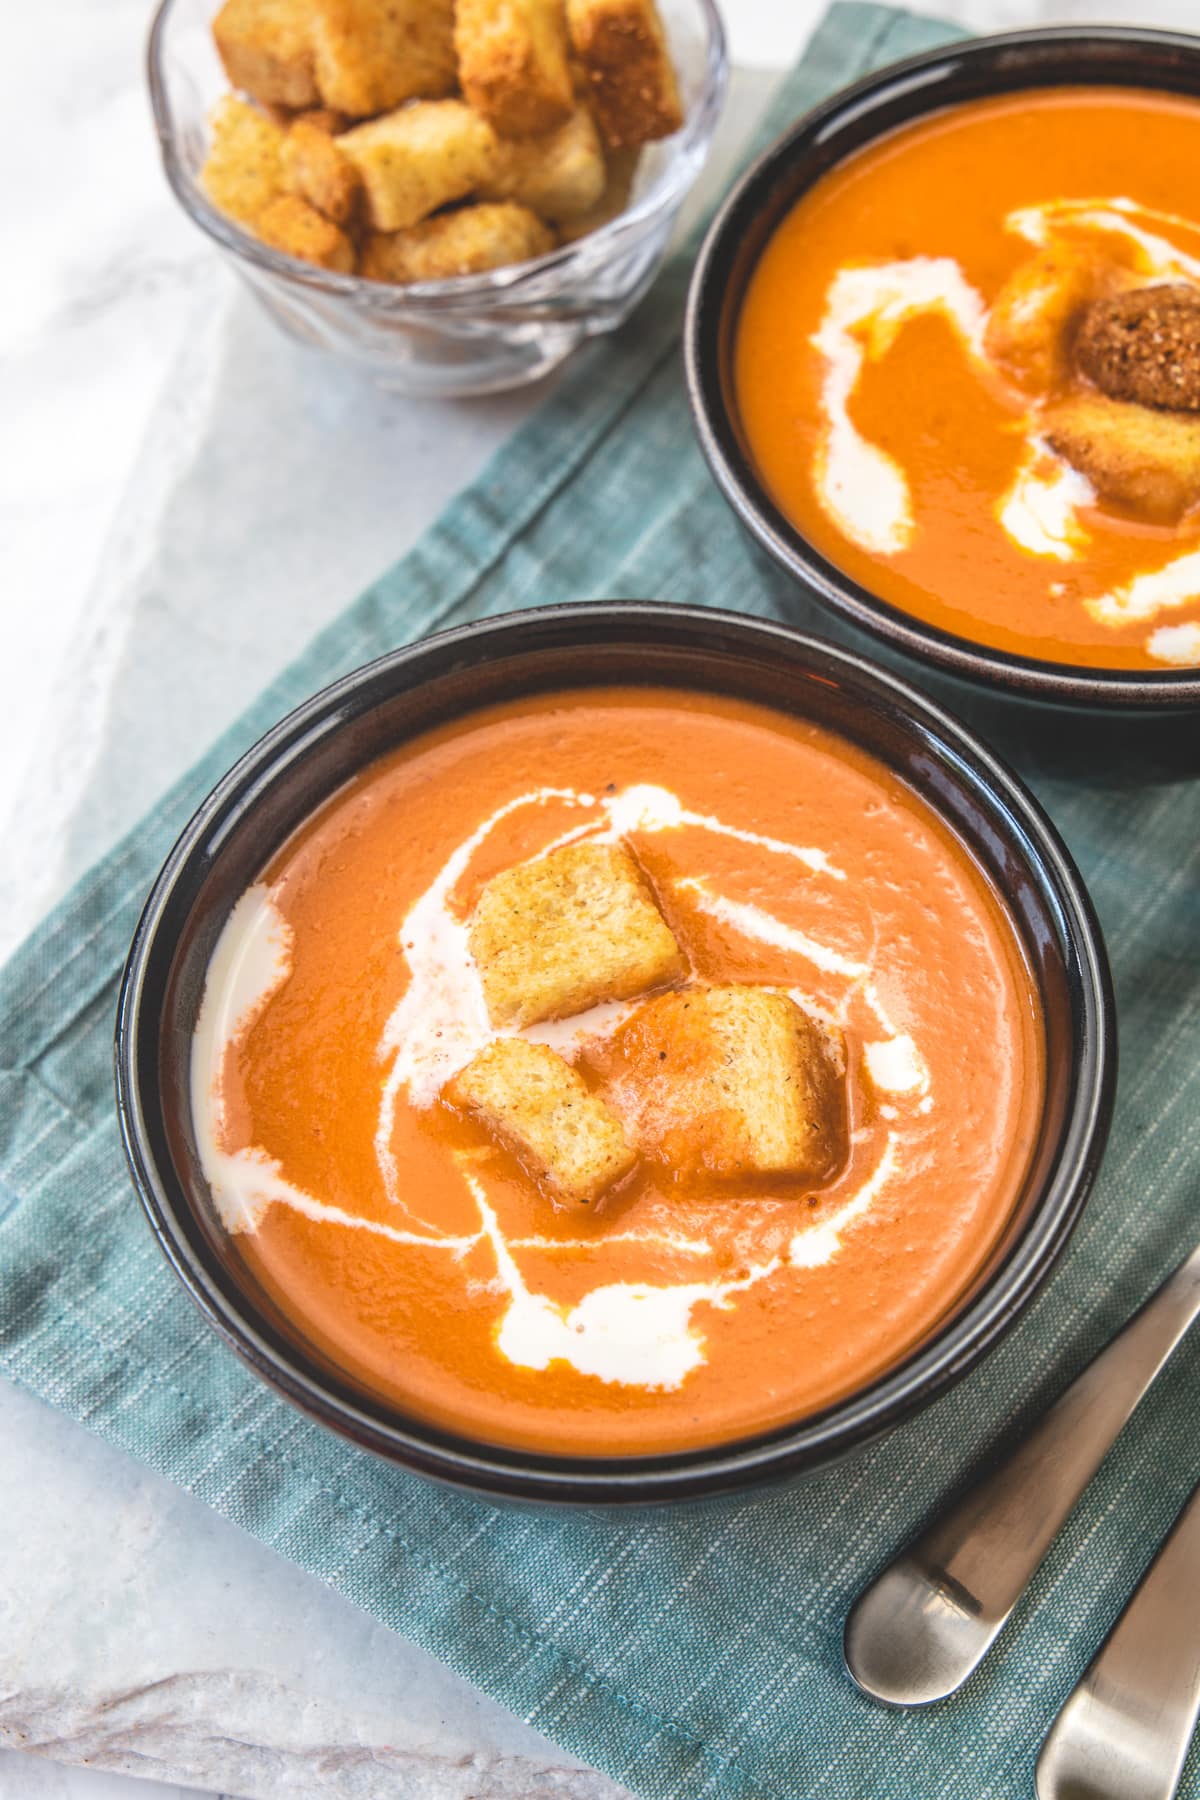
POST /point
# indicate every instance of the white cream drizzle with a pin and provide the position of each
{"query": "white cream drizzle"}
(866, 492)
(1177, 583)
(632, 1333)
(1040, 510)
(896, 1066)
(1176, 644)
(1158, 256)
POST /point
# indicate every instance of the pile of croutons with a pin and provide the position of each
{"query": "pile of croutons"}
(416, 140)
(708, 1083)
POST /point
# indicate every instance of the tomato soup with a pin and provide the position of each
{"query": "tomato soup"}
(441, 1034)
(933, 371)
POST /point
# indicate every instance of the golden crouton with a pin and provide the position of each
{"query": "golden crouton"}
(243, 172)
(560, 176)
(372, 55)
(556, 935)
(618, 185)
(319, 171)
(622, 47)
(465, 242)
(731, 1081)
(1145, 346)
(266, 47)
(1133, 456)
(321, 118)
(536, 1104)
(293, 226)
(1032, 320)
(418, 159)
(512, 63)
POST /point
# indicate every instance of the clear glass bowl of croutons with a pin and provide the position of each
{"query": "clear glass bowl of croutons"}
(450, 194)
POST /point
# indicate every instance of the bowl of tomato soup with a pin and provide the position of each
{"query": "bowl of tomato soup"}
(943, 351)
(615, 1053)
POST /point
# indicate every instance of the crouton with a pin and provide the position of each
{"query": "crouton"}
(465, 242)
(419, 158)
(537, 1105)
(321, 118)
(317, 169)
(1032, 319)
(623, 49)
(618, 186)
(512, 63)
(293, 226)
(372, 55)
(1133, 456)
(564, 932)
(731, 1081)
(561, 176)
(1144, 346)
(243, 172)
(266, 47)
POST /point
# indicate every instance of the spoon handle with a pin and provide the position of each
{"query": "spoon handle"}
(920, 1629)
(1125, 1731)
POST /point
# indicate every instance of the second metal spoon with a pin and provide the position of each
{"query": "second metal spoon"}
(920, 1629)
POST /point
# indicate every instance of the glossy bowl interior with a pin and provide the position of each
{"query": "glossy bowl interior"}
(476, 333)
(852, 119)
(313, 751)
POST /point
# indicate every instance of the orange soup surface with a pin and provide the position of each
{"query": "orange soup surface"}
(913, 383)
(416, 1248)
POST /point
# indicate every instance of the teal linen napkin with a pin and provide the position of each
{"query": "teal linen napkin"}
(689, 1654)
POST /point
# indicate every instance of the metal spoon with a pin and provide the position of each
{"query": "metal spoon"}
(919, 1630)
(1124, 1732)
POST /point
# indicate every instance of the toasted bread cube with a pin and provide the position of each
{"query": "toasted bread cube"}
(317, 169)
(541, 1108)
(372, 55)
(731, 1081)
(1134, 456)
(418, 159)
(243, 172)
(560, 176)
(465, 242)
(512, 63)
(266, 47)
(623, 48)
(293, 226)
(566, 931)
(618, 185)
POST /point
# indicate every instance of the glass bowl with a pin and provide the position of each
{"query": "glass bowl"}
(473, 334)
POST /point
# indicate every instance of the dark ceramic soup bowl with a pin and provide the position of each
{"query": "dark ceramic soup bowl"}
(852, 119)
(313, 751)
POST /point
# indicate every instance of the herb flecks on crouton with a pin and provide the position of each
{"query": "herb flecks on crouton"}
(290, 224)
(243, 173)
(731, 1081)
(372, 55)
(568, 930)
(418, 159)
(623, 51)
(319, 171)
(512, 60)
(465, 242)
(561, 176)
(542, 1110)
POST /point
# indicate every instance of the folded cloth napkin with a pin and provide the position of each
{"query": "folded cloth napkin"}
(690, 1653)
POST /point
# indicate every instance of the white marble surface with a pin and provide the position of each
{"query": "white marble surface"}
(184, 498)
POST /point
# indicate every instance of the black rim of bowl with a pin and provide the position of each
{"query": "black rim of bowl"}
(629, 636)
(858, 115)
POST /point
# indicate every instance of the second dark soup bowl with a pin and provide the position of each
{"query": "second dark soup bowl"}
(316, 749)
(851, 120)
